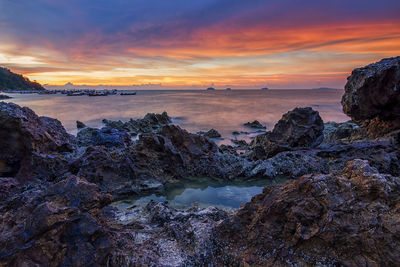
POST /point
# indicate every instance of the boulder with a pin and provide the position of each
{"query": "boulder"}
(350, 218)
(212, 133)
(4, 97)
(301, 128)
(374, 91)
(26, 137)
(255, 124)
(108, 136)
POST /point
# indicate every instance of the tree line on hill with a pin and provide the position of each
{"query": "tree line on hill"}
(16, 82)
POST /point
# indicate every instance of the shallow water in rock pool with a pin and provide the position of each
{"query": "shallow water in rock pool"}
(204, 193)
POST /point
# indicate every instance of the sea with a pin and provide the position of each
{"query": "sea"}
(193, 110)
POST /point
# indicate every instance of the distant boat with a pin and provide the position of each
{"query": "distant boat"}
(265, 89)
(134, 93)
(75, 93)
(228, 89)
(210, 89)
(98, 94)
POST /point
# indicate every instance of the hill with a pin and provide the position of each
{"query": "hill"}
(16, 82)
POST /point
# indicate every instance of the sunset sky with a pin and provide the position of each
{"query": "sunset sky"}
(194, 43)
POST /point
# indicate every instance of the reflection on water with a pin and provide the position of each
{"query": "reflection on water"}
(225, 111)
(205, 192)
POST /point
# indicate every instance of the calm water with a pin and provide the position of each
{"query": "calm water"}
(204, 192)
(225, 111)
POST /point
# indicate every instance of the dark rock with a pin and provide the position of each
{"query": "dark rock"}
(108, 136)
(28, 137)
(80, 125)
(150, 123)
(211, 133)
(4, 97)
(350, 219)
(342, 132)
(255, 124)
(300, 128)
(374, 91)
(56, 226)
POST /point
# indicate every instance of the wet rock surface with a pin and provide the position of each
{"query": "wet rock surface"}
(349, 218)
(298, 129)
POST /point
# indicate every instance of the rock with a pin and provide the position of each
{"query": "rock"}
(29, 137)
(4, 97)
(349, 218)
(150, 123)
(300, 128)
(255, 124)
(344, 132)
(374, 91)
(211, 133)
(80, 125)
(108, 136)
(54, 226)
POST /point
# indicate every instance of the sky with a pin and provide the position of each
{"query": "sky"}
(196, 43)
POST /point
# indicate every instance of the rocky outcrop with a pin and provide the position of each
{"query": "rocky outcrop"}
(55, 225)
(28, 140)
(350, 219)
(372, 96)
(80, 125)
(374, 91)
(255, 125)
(300, 128)
(150, 123)
(345, 132)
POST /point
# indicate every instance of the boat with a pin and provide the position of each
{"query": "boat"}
(134, 93)
(265, 89)
(98, 94)
(210, 89)
(75, 93)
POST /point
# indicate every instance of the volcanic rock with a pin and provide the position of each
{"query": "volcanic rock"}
(150, 123)
(300, 128)
(27, 137)
(255, 124)
(374, 91)
(349, 218)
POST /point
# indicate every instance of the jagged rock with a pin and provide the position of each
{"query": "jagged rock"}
(374, 91)
(150, 123)
(300, 128)
(26, 137)
(80, 125)
(255, 124)
(342, 132)
(108, 136)
(350, 219)
(212, 133)
(56, 225)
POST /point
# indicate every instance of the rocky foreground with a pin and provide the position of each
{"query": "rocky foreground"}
(340, 208)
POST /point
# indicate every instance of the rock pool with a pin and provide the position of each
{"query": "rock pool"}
(204, 193)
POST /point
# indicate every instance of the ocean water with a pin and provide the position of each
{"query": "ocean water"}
(205, 193)
(225, 111)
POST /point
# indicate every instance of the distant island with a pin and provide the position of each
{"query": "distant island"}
(10, 81)
(210, 89)
(265, 89)
(325, 88)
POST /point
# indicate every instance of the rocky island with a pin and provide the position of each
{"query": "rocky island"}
(338, 207)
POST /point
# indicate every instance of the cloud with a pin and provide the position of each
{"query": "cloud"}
(182, 42)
